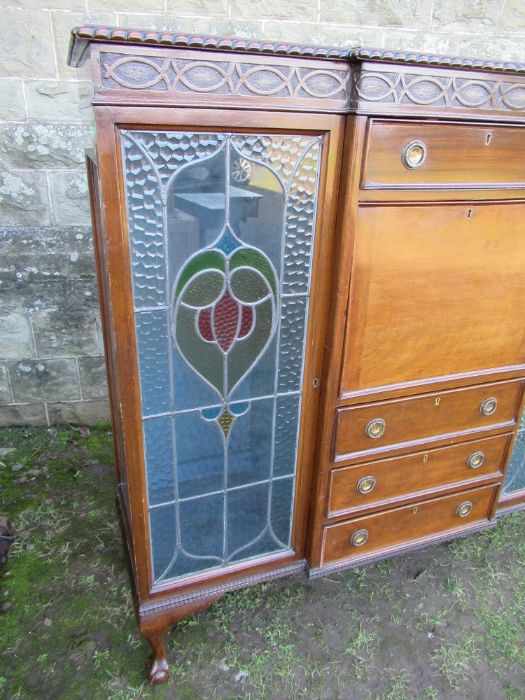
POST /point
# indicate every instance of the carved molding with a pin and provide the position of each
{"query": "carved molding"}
(431, 91)
(214, 592)
(236, 76)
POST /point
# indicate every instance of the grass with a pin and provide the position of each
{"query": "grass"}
(447, 622)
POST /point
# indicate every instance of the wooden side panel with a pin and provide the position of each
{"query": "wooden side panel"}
(436, 291)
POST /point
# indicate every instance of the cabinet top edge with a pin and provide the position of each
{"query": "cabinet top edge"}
(83, 36)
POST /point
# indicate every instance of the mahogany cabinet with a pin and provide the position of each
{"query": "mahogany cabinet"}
(312, 281)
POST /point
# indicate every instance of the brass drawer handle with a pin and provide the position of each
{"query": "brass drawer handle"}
(475, 460)
(414, 154)
(375, 428)
(464, 509)
(359, 538)
(488, 406)
(366, 484)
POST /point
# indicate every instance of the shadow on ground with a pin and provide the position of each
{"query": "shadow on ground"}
(444, 623)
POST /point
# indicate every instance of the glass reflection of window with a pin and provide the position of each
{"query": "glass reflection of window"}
(221, 231)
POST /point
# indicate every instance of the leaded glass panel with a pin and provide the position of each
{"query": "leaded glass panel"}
(515, 476)
(221, 232)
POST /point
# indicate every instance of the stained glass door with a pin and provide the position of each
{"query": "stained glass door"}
(221, 229)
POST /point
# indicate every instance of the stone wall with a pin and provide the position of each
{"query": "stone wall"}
(51, 355)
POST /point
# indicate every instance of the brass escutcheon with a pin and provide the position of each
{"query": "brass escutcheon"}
(475, 460)
(359, 538)
(366, 484)
(488, 406)
(464, 509)
(414, 154)
(375, 428)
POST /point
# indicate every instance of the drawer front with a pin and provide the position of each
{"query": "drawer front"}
(403, 423)
(376, 483)
(405, 155)
(392, 528)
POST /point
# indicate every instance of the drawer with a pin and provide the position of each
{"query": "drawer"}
(377, 483)
(406, 423)
(405, 155)
(420, 521)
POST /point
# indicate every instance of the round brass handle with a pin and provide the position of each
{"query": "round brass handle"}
(359, 538)
(488, 406)
(475, 460)
(366, 484)
(375, 428)
(414, 154)
(464, 509)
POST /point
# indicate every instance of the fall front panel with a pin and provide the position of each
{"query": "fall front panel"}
(221, 230)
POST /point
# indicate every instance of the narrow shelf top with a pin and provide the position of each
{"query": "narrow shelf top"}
(81, 37)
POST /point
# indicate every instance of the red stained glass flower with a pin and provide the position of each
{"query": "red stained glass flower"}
(225, 322)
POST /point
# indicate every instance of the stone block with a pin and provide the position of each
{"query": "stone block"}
(34, 380)
(65, 331)
(23, 414)
(27, 47)
(69, 198)
(93, 377)
(512, 19)
(124, 5)
(16, 339)
(53, 100)
(51, 4)
(33, 145)
(268, 9)
(430, 42)
(195, 25)
(378, 13)
(303, 33)
(23, 198)
(203, 8)
(466, 16)
(5, 386)
(12, 106)
(505, 49)
(63, 23)
(79, 412)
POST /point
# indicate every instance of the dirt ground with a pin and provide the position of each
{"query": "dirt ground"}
(444, 623)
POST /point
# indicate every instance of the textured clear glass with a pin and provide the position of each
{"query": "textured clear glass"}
(515, 476)
(221, 232)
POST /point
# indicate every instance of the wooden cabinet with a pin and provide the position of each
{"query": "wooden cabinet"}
(312, 280)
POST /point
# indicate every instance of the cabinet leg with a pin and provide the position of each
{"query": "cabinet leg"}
(153, 627)
(160, 670)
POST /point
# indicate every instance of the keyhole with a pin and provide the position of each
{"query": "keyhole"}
(425, 459)
(437, 401)
(470, 212)
(489, 137)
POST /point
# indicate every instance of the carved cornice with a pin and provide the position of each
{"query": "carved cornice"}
(137, 66)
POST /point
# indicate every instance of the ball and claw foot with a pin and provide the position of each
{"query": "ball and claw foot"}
(160, 671)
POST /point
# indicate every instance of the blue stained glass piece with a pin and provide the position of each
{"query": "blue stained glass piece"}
(250, 445)
(291, 343)
(227, 242)
(163, 537)
(260, 379)
(286, 426)
(515, 475)
(191, 391)
(246, 516)
(201, 545)
(152, 347)
(200, 455)
(158, 445)
(281, 511)
(239, 408)
(211, 413)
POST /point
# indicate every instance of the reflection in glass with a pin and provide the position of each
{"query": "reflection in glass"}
(221, 231)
